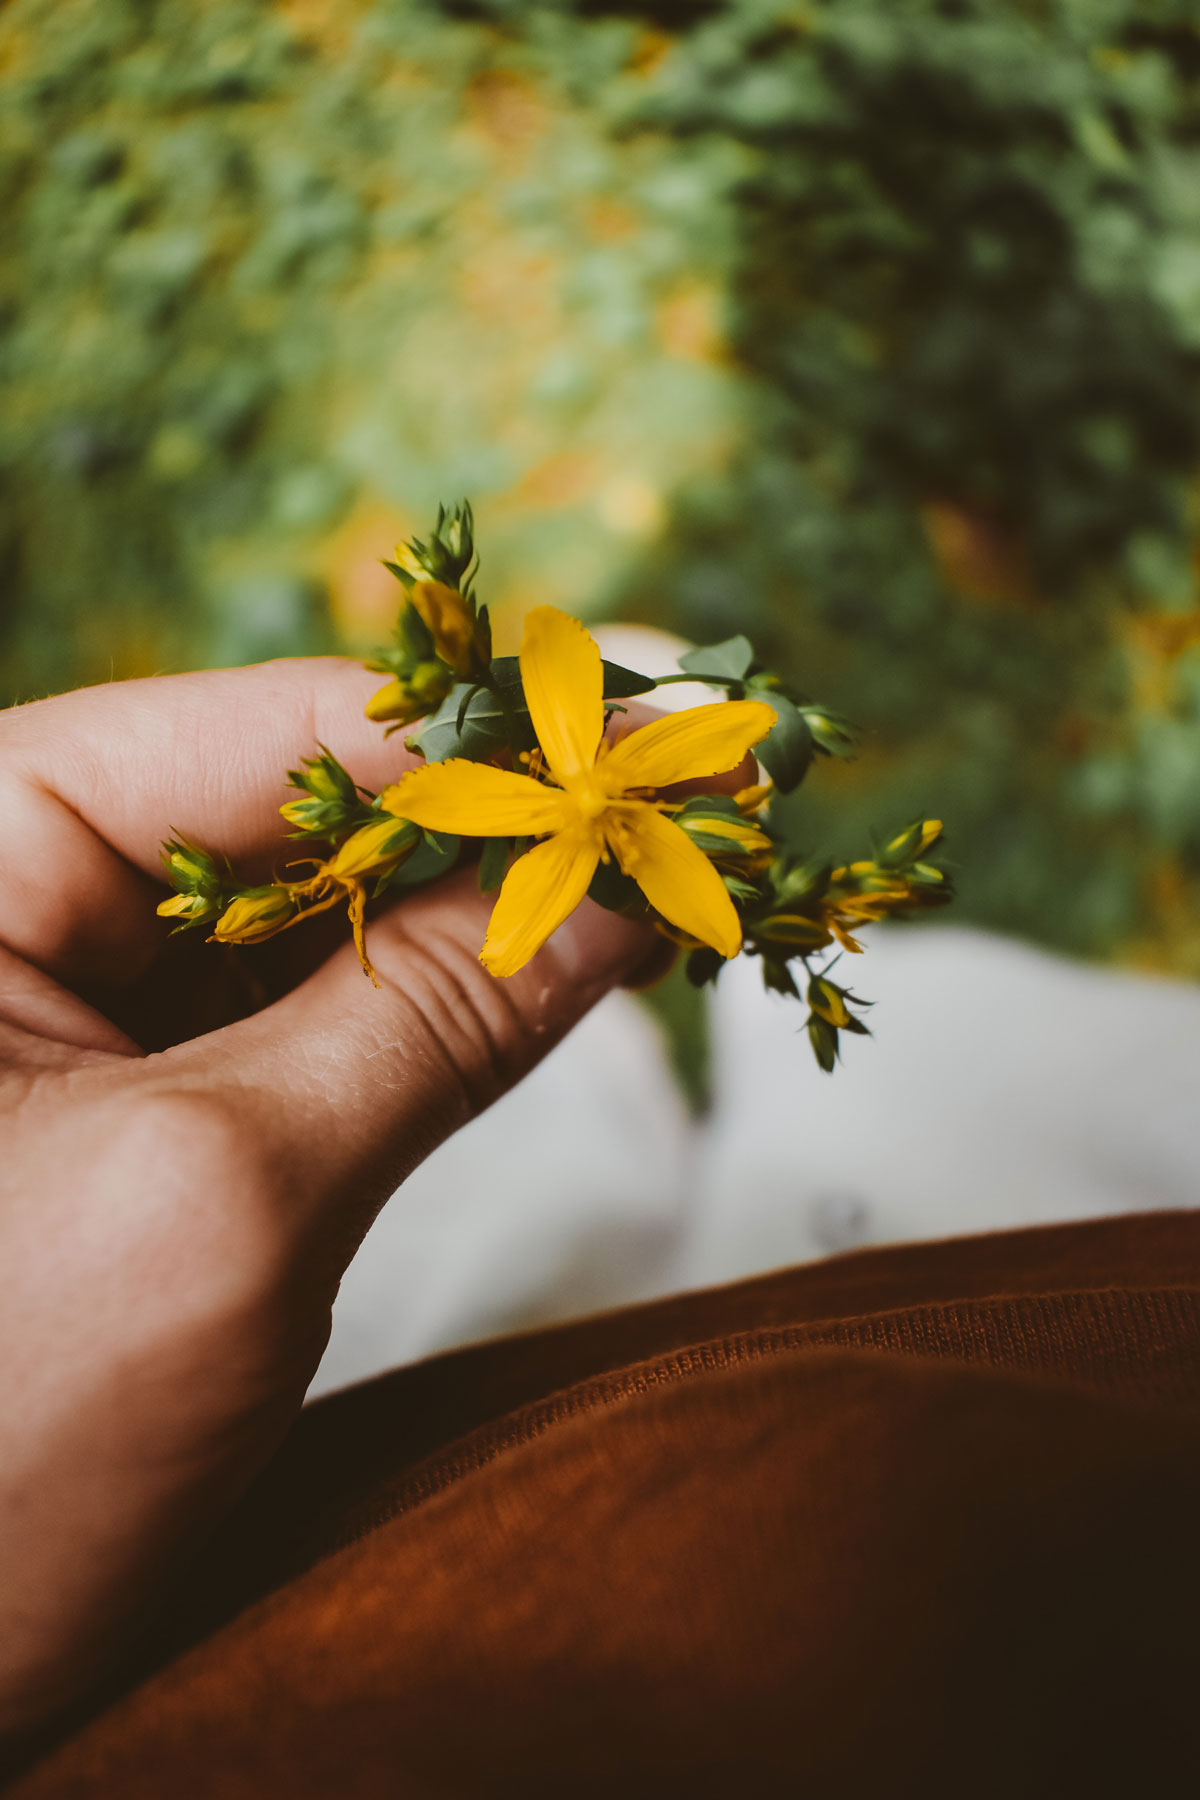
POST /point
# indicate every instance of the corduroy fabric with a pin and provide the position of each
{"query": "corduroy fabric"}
(922, 1520)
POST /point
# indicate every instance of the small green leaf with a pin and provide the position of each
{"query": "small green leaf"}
(436, 856)
(620, 684)
(787, 750)
(617, 892)
(704, 966)
(493, 863)
(731, 658)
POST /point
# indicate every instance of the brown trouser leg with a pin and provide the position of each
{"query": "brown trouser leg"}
(919, 1521)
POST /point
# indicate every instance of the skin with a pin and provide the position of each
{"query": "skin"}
(196, 1140)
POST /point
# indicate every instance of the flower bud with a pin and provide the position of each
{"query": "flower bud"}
(718, 835)
(189, 868)
(256, 913)
(832, 733)
(460, 635)
(324, 778)
(911, 843)
(824, 1040)
(793, 928)
(404, 699)
(192, 909)
(374, 849)
(828, 1001)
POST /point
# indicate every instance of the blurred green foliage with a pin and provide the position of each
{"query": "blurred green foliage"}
(871, 327)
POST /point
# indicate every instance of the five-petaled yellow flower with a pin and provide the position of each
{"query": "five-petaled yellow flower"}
(599, 805)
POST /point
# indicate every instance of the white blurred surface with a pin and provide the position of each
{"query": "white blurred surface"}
(1002, 1087)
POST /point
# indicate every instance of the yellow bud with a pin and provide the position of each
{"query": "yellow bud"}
(742, 839)
(451, 621)
(931, 831)
(406, 700)
(373, 850)
(793, 928)
(406, 560)
(255, 914)
(827, 1000)
(753, 799)
(187, 906)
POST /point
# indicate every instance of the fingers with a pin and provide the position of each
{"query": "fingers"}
(91, 782)
(345, 1088)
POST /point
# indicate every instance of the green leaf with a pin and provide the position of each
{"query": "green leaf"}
(493, 863)
(778, 978)
(730, 658)
(617, 892)
(620, 684)
(483, 732)
(472, 724)
(704, 966)
(787, 750)
(436, 856)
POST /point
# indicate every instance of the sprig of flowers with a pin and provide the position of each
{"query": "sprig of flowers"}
(527, 757)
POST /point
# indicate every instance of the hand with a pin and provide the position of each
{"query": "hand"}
(192, 1153)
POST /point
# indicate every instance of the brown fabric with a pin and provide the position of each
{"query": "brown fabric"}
(922, 1520)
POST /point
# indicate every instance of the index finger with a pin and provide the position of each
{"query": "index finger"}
(92, 781)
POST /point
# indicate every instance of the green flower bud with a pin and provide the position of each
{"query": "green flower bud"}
(828, 1001)
(824, 1040)
(189, 868)
(831, 732)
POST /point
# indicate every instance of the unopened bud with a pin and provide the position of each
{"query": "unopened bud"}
(189, 868)
(374, 849)
(403, 700)
(911, 843)
(824, 1040)
(453, 624)
(254, 914)
(795, 929)
(718, 835)
(191, 909)
(828, 1001)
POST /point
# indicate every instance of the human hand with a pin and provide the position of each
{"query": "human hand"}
(193, 1154)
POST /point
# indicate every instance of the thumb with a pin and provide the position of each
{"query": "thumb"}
(346, 1088)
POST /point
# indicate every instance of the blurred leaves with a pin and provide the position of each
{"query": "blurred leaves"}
(870, 328)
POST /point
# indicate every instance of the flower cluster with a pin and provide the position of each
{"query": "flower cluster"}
(531, 759)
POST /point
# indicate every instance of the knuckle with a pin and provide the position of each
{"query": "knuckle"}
(476, 1026)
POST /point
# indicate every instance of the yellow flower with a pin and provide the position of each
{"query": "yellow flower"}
(598, 807)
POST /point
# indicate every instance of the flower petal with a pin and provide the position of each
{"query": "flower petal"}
(563, 679)
(703, 740)
(677, 879)
(476, 800)
(539, 891)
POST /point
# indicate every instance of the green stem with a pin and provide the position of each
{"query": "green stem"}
(726, 681)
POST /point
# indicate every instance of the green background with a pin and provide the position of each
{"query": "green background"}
(872, 330)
